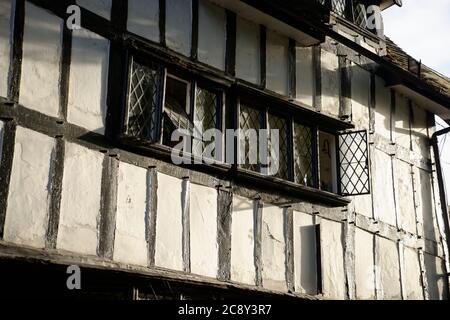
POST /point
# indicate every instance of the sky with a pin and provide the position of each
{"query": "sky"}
(422, 29)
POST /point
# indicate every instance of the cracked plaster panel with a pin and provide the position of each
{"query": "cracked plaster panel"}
(39, 86)
(382, 108)
(364, 265)
(305, 75)
(242, 241)
(402, 132)
(130, 245)
(273, 248)
(435, 273)
(80, 200)
(88, 81)
(169, 228)
(384, 204)
(179, 26)
(388, 263)
(405, 196)
(29, 190)
(100, 7)
(143, 18)
(330, 83)
(203, 231)
(412, 278)
(248, 51)
(332, 254)
(305, 256)
(212, 34)
(5, 45)
(277, 63)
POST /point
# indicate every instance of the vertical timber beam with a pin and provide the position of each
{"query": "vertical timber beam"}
(186, 225)
(317, 70)
(292, 69)
(288, 215)
(230, 59)
(257, 236)
(150, 214)
(263, 55)
(17, 50)
(224, 216)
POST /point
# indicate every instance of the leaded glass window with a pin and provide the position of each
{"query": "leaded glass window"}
(303, 155)
(205, 118)
(250, 121)
(282, 154)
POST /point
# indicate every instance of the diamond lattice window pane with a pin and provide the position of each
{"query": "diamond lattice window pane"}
(282, 157)
(339, 7)
(360, 15)
(204, 119)
(303, 155)
(143, 102)
(250, 122)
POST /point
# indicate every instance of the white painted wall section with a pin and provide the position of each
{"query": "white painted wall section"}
(405, 196)
(248, 58)
(402, 132)
(388, 263)
(100, 7)
(143, 18)
(305, 75)
(412, 275)
(88, 81)
(419, 131)
(29, 191)
(203, 232)
(169, 228)
(305, 256)
(5, 45)
(360, 82)
(212, 34)
(242, 241)
(364, 265)
(425, 204)
(332, 253)
(273, 248)
(277, 58)
(80, 200)
(435, 271)
(130, 245)
(330, 83)
(179, 26)
(382, 109)
(39, 86)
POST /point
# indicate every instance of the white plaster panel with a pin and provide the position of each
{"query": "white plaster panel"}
(242, 241)
(88, 81)
(425, 205)
(305, 75)
(80, 200)
(248, 51)
(388, 263)
(169, 228)
(143, 18)
(212, 34)
(203, 232)
(360, 82)
(29, 191)
(277, 58)
(5, 45)
(39, 86)
(412, 275)
(382, 108)
(273, 249)
(402, 135)
(405, 196)
(332, 254)
(305, 257)
(383, 194)
(435, 273)
(364, 265)
(419, 131)
(179, 25)
(363, 205)
(100, 7)
(330, 83)
(130, 245)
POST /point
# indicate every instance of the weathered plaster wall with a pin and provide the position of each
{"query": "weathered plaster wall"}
(419, 131)
(330, 83)
(179, 26)
(80, 200)
(88, 81)
(401, 131)
(435, 273)
(412, 275)
(332, 253)
(39, 88)
(382, 108)
(273, 248)
(360, 100)
(305, 75)
(143, 18)
(364, 265)
(242, 241)
(248, 51)
(403, 185)
(169, 227)
(212, 34)
(29, 191)
(277, 62)
(130, 245)
(305, 253)
(5, 40)
(203, 230)
(100, 7)
(389, 269)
